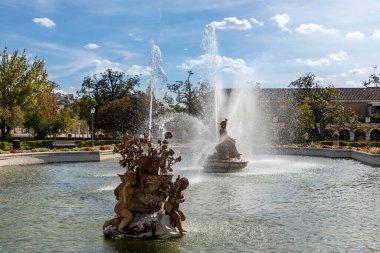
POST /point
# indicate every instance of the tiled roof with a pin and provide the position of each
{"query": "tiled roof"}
(365, 94)
(372, 93)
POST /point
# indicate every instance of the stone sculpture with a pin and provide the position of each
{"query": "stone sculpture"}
(226, 158)
(175, 198)
(145, 188)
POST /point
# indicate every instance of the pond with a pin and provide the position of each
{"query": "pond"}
(276, 204)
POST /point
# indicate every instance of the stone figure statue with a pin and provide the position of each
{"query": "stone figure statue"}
(226, 149)
(124, 193)
(176, 197)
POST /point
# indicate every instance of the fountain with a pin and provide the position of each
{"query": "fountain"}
(148, 201)
(226, 158)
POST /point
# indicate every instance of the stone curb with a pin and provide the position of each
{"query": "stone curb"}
(55, 157)
(363, 157)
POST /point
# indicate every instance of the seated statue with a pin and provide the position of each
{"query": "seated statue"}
(123, 193)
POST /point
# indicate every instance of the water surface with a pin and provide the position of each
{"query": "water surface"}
(276, 204)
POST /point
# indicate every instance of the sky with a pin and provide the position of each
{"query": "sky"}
(270, 42)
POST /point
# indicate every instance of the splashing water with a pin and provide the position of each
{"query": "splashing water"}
(157, 74)
(240, 107)
(211, 51)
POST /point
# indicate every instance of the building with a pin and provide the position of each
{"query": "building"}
(364, 101)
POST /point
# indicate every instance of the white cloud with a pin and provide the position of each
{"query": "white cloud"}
(354, 83)
(338, 57)
(135, 37)
(358, 71)
(44, 22)
(91, 46)
(311, 28)
(137, 70)
(376, 34)
(103, 64)
(354, 35)
(231, 23)
(225, 64)
(281, 20)
(255, 21)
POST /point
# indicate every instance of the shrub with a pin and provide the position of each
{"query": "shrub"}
(88, 143)
(327, 143)
(13, 151)
(40, 150)
(88, 149)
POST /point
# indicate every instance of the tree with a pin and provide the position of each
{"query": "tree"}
(21, 81)
(44, 117)
(324, 105)
(65, 119)
(373, 79)
(305, 118)
(100, 90)
(126, 114)
(190, 98)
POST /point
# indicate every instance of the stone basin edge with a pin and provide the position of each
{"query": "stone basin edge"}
(364, 157)
(55, 157)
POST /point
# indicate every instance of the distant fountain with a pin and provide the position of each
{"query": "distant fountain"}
(157, 73)
(239, 105)
(226, 158)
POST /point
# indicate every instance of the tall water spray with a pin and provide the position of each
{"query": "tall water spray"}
(157, 76)
(240, 106)
(211, 52)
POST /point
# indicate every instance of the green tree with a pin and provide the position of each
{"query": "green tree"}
(304, 118)
(65, 119)
(190, 98)
(373, 79)
(126, 114)
(21, 81)
(100, 90)
(324, 104)
(44, 117)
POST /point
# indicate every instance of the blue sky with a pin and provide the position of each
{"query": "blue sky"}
(271, 42)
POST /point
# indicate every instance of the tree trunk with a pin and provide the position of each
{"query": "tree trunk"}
(316, 130)
(322, 129)
(3, 130)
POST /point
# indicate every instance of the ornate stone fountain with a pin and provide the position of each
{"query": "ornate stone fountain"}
(226, 158)
(148, 200)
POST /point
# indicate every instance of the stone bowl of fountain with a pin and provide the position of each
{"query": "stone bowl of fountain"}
(147, 200)
(226, 157)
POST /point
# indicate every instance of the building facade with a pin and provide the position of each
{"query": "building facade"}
(365, 102)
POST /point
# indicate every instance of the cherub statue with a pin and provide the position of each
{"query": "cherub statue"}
(176, 197)
(124, 193)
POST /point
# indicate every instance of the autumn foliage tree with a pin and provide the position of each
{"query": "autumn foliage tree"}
(22, 82)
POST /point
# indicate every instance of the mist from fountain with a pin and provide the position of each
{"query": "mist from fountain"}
(238, 105)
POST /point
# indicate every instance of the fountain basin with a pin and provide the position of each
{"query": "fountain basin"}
(215, 166)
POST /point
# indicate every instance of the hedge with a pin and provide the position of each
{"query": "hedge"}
(29, 145)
